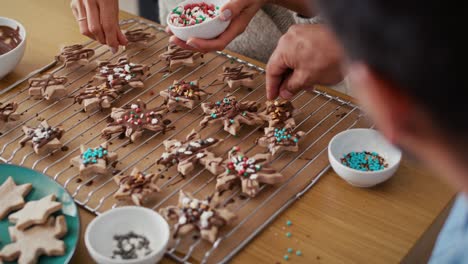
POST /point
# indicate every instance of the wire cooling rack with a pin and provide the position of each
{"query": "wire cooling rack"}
(322, 116)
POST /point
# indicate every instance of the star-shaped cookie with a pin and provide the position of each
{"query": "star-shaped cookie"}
(43, 138)
(30, 244)
(133, 119)
(175, 56)
(75, 54)
(8, 113)
(279, 112)
(236, 77)
(96, 97)
(12, 196)
(136, 186)
(138, 38)
(231, 113)
(35, 212)
(183, 94)
(48, 87)
(186, 153)
(94, 161)
(250, 172)
(278, 139)
(200, 216)
(120, 74)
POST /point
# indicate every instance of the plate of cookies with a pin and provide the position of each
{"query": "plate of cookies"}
(39, 221)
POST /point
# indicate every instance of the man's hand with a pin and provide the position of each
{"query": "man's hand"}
(306, 55)
(99, 20)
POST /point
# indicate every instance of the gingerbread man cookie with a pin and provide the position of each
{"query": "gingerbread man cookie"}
(35, 212)
(8, 113)
(200, 216)
(231, 113)
(48, 87)
(75, 54)
(43, 138)
(175, 56)
(133, 119)
(136, 187)
(183, 94)
(12, 196)
(236, 77)
(94, 161)
(250, 172)
(96, 97)
(118, 75)
(138, 38)
(185, 154)
(278, 139)
(279, 112)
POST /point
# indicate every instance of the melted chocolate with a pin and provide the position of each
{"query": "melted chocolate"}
(6, 110)
(138, 35)
(175, 52)
(236, 73)
(190, 149)
(9, 39)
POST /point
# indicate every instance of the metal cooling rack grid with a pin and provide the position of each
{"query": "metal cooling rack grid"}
(322, 117)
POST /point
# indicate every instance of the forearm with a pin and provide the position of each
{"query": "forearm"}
(305, 8)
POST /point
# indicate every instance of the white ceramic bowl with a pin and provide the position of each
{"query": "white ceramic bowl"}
(206, 30)
(363, 140)
(143, 221)
(9, 60)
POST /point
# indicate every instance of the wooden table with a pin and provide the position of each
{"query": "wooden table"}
(334, 222)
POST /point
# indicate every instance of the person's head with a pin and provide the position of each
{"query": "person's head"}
(406, 65)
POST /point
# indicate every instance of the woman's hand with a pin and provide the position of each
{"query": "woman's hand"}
(99, 20)
(306, 55)
(240, 12)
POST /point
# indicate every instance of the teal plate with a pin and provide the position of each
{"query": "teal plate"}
(43, 186)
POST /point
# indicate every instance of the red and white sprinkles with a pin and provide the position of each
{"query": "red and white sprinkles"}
(193, 14)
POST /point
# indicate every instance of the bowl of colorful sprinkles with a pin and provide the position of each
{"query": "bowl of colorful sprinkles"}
(197, 19)
(363, 157)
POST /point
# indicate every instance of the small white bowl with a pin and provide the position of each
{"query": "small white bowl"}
(206, 30)
(358, 140)
(99, 236)
(9, 60)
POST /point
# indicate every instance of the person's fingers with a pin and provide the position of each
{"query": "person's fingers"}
(79, 12)
(180, 43)
(294, 83)
(122, 38)
(110, 24)
(168, 31)
(232, 9)
(94, 22)
(275, 73)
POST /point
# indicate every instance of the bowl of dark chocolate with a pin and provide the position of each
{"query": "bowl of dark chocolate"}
(12, 44)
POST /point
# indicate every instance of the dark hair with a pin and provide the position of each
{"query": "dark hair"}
(418, 45)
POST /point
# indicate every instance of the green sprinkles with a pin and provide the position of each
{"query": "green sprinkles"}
(364, 161)
(286, 257)
(298, 253)
(288, 234)
(288, 223)
(290, 250)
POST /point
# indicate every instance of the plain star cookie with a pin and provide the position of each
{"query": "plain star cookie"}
(183, 94)
(35, 212)
(8, 113)
(12, 196)
(75, 54)
(138, 38)
(278, 139)
(43, 138)
(175, 56)
(136, 186)
(236, 77)
(93, 161)
(120, 74)
(48, 87)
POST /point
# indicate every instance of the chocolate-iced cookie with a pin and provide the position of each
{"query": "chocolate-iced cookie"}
(236, 77)
(136, 187)
(133, 119)
(278, 139)
(175, 56)
(75, 54)
(185, 154)
(96, 97)
(48, 87)
(117, 75)
(199, 216)
(138, 38)
(183, 94)
(92, 161)
(43, 138)
(279, 112)
(231, 113)
(249, 172)
(8, 113)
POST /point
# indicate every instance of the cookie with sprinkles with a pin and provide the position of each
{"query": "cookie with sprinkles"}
(175, 56)
(8, 113)
(279, 112)
(183, 94)
(249, 172)
(138, 38)
(120, 74)
(75, 54)
(278, 139)
(136, 187)
(48, 87)
(236, 77)
(96, 97)
(199, 216)
(187, 153)
(92, 161)
(231, 113)
(133, 119)
(43, 138)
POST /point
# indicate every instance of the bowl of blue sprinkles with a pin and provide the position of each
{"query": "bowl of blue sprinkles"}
(363, 157)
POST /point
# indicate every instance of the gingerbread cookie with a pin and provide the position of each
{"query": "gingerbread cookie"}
(249, 172)
(185, 154)
(94, 161)
(118, 75)
(28, 245)
(75, 54)
(138, 38)
(200, 216)
(278, 139)
(43, 138)
(96, 97)
(236, 77)
(175, 56)
(12, 196)
(133, 119)
(35, 212)
(136, 187)
(183, 94)
(48, 87)
(231, 113)
(279, 112)
(8, 113)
